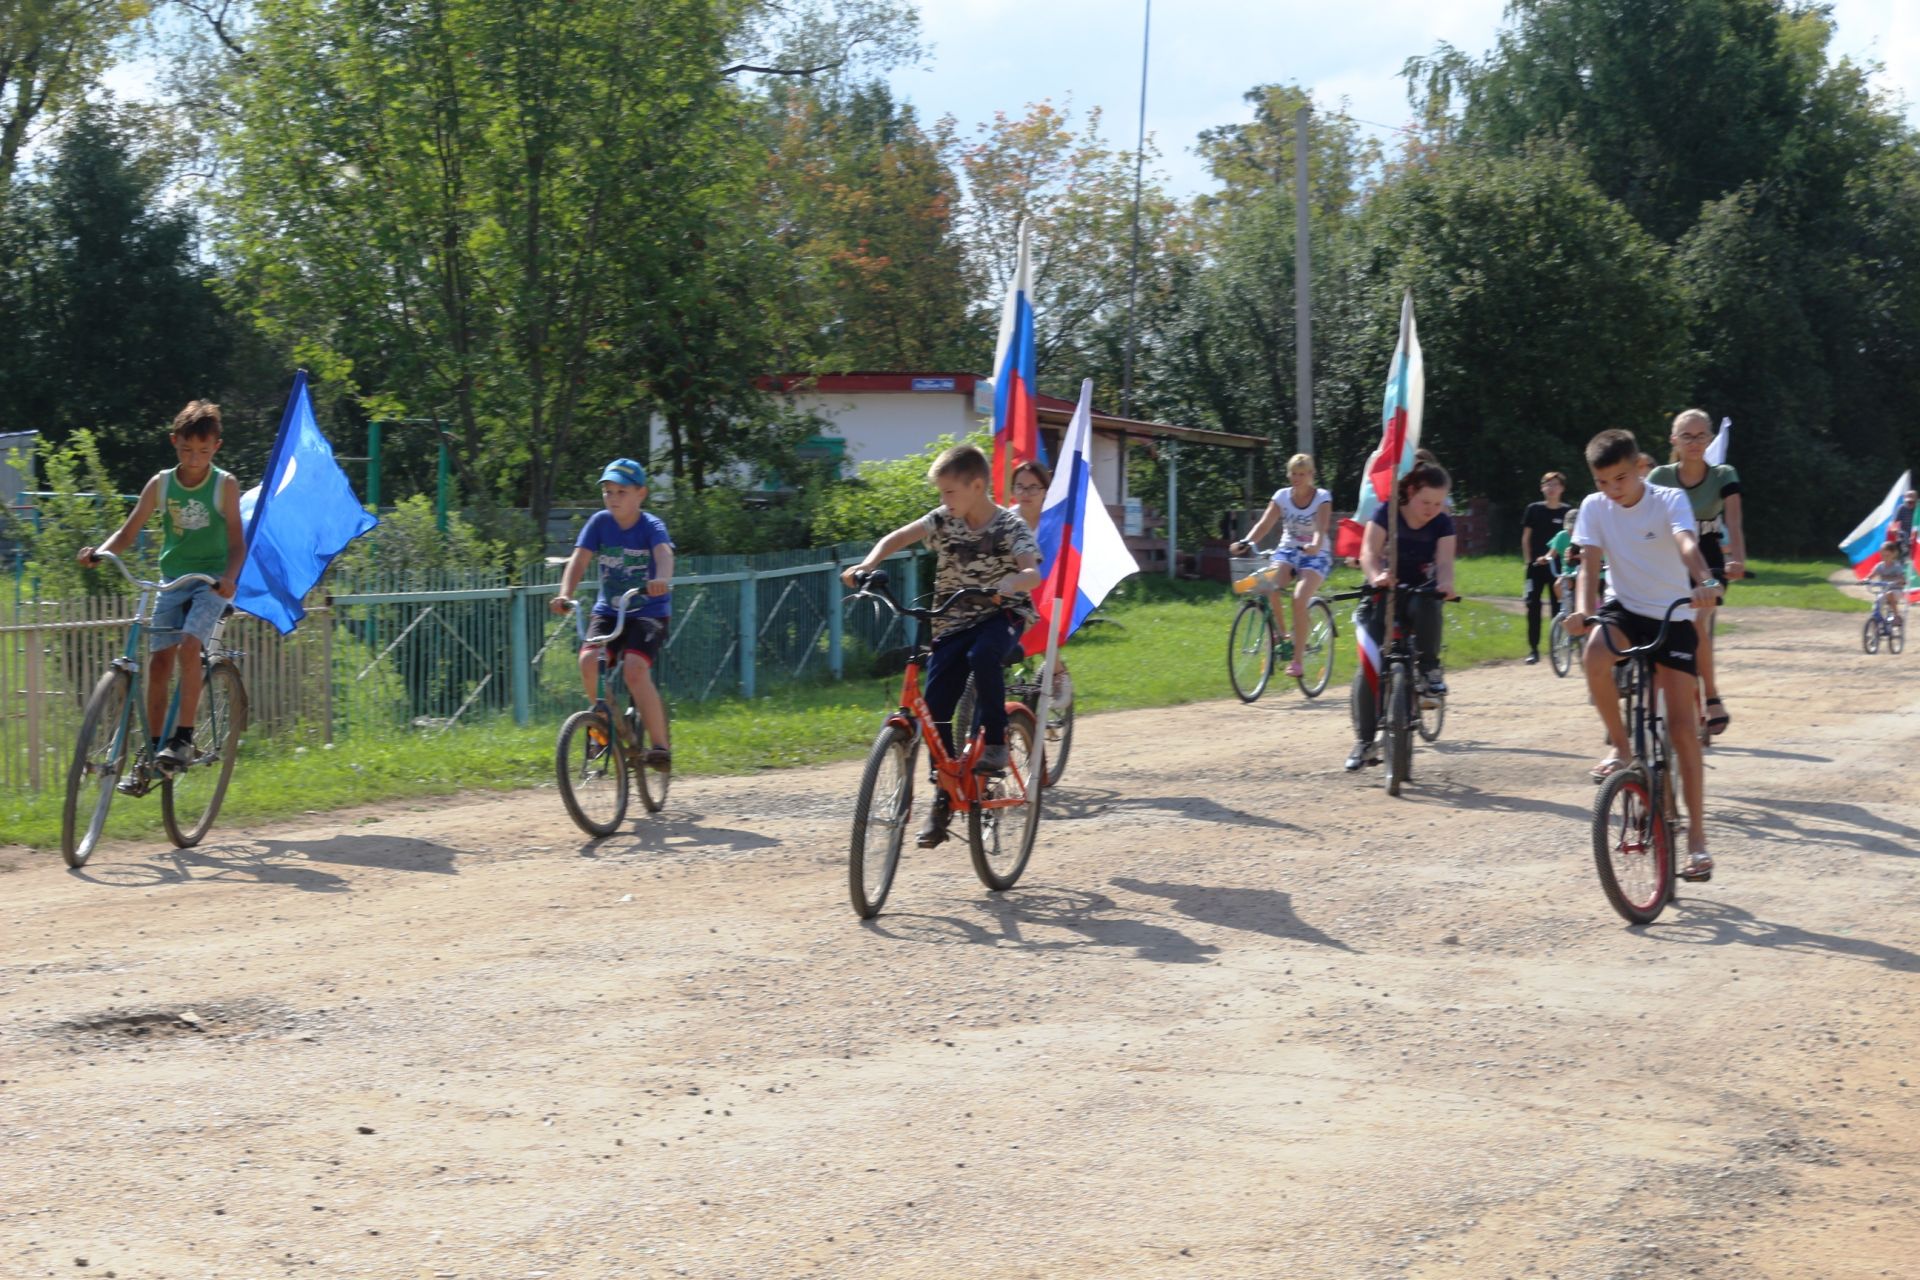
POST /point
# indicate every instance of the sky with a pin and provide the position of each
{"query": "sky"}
(999, 55)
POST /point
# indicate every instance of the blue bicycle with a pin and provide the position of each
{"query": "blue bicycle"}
(1887, 624)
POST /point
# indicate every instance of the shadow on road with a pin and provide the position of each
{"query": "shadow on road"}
(1768, 753)
(1835, 822)
(287, 862)
(1007, 919)
(1074, 804)
(1458, 795)
(674, 832)
(1470, 746)
(1697, 922)
(1263, 911)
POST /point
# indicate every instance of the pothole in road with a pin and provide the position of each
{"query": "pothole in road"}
(134, 1026)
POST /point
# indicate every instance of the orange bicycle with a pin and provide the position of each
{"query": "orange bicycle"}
(1003, 809)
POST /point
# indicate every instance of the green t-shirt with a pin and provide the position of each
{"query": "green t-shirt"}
(1557, 547)
(1709, 497)
(193, 530)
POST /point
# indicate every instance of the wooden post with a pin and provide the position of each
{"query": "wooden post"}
(36, 706)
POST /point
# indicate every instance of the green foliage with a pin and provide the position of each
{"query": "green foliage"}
(730, 522)
(83, 510)
(882, 497)
(408, 542)
(52, 52)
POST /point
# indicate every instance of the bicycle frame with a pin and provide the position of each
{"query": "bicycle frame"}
(1647, 727)
(954, 774)
(605, 685)
(129, 662)
(1402, 647)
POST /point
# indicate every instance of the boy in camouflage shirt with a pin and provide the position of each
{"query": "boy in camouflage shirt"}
(977, 544)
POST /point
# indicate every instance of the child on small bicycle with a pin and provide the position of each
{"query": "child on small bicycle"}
(632, 549)
(1304, 512)
(977, 544)
(1030, 482)
(199, 506)
(1423, 558)
(1561, 559)
(1647, 535)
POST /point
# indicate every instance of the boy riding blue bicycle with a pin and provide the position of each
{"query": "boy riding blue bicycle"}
(632, 549)
(201, 533)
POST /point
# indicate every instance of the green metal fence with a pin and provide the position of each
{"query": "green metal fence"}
(426, 652)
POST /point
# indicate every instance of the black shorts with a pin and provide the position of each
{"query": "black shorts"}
(1716, 557)
(644, 636)
(1682, 639)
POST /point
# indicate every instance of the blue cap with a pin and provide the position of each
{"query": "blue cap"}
(625, 471)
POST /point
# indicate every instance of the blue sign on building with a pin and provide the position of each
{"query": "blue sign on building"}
(933, 384)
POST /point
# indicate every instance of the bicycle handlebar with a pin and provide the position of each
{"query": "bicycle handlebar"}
(1666, 622)
(1395, 587)
(569, 604)
(874, 584)
(100, 554)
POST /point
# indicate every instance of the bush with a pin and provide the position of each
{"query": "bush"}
(882, 497)
(408, 542)
(83, 510)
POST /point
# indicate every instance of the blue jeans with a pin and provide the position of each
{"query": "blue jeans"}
(980, 651)
(185, 611)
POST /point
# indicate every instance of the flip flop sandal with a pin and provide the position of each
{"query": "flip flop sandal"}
(1717, 724)
(1606, 769)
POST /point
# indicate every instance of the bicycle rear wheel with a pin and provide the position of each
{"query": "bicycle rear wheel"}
(1322, 637)
(190, 797)
(592, 773)
(653, 782)
(1561, 647)
(1250, 650)
(1431, 719)
(1399, 728)
(1059, 739)
(1001, 840)
(1631, 847)
(880, 814)
(1870, 633)
(100, 752)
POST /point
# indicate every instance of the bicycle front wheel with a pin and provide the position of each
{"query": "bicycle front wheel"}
(1059, 738)
(1896, 634)
(1631, 848)
(1561, 647)
(190, 797)
(592, 773)
(100, 753)
(880, 816)
(1250, 650)
(1000, 839)
(1870, 634)
(653, 782)
(1399, 728)
(1323, 636)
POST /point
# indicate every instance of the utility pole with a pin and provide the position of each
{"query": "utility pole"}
(1302, 289)
(1133, 276)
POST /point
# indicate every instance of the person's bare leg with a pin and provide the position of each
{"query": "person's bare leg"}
(1679, 690)
(192, 678)
(590, 672)
(1703, 650)
(1606, 696)
(653, 711)
(1302, 599)
(160, 689)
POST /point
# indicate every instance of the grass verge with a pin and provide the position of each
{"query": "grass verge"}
(1164, 644)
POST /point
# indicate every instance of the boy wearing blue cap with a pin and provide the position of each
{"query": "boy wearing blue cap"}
(633, 550)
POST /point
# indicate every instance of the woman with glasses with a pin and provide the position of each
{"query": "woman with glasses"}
(1714, 493)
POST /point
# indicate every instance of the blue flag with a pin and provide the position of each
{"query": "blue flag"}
(301, 516)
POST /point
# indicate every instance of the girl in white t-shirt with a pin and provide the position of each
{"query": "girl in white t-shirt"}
(1305, 554)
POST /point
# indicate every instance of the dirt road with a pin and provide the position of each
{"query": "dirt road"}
(1246, 1017)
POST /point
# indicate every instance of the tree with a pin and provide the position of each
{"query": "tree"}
(115, 325)
(51, 53)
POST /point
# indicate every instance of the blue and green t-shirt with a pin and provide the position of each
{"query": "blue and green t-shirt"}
(626, 559)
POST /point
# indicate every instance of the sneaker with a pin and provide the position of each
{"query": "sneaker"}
(993, 759)
(934, 830)
(659, 759)
(1533, 657)
(177, 754)
(1434, 689)
(1363, 754)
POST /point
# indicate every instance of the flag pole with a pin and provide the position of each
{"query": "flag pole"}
(1062, 610)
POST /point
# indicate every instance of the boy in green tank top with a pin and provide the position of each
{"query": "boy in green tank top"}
(199, 507)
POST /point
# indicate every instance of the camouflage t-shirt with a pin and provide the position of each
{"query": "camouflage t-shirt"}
(978, 558)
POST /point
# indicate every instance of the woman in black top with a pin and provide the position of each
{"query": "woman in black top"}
(1540, 523)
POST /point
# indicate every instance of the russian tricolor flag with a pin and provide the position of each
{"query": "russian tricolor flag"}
(1401, 412)
(1863, 545)
(1082, 555)
(1016, 411)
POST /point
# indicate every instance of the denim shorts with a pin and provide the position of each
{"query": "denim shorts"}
(1319, 562)
(185, 611)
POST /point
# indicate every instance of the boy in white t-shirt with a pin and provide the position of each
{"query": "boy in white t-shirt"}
(1646, 535)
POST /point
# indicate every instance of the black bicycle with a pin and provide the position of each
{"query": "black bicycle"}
(1637, 808)
(1405, 704)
